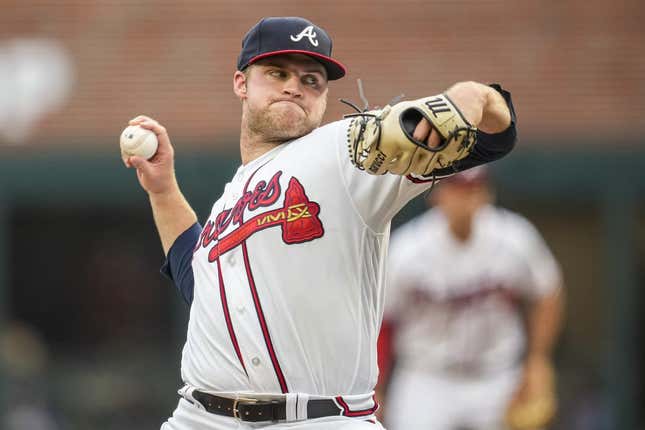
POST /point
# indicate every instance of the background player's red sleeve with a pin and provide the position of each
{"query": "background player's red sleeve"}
(385, 352)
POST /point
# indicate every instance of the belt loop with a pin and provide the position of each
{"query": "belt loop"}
(301, 411)
(291, 411)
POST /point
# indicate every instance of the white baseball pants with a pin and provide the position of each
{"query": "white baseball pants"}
(189, 417)
(438, 402)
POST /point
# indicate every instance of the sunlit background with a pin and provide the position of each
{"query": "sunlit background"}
(91, 335)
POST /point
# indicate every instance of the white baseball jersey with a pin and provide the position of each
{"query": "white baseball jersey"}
(289, 274)
(456, 303)
(286, 278)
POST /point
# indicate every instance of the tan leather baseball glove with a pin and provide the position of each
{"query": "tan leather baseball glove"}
(381, 141)
(535, 404)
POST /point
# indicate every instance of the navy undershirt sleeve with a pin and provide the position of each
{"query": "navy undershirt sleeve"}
(489, 147)
(178, 266)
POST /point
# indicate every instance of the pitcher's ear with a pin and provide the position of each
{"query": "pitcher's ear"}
(239, 84)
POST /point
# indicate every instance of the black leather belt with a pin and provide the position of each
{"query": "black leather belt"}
(255, 410)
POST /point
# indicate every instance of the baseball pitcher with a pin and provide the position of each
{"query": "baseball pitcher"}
(285, 279)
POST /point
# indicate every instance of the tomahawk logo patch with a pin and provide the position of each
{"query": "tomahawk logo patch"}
(297, 218)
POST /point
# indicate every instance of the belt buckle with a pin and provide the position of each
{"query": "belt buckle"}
(242, 400)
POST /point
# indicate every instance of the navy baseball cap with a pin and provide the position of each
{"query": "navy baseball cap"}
(289, 35)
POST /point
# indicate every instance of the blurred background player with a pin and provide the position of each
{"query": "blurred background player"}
(473, 310)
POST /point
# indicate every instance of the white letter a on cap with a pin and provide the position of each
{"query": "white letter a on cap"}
(308, 33)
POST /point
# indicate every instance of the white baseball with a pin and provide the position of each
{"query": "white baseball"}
(136, 140)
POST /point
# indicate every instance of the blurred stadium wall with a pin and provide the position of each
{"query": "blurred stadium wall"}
(92, 335)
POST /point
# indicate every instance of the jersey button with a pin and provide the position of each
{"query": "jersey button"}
(241, 309)
(231, 259)
(255, 361)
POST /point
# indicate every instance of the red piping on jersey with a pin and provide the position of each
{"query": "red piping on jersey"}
(227, 317)
(263, 324)
(349, 413)
(419, 181)
(258, 306)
